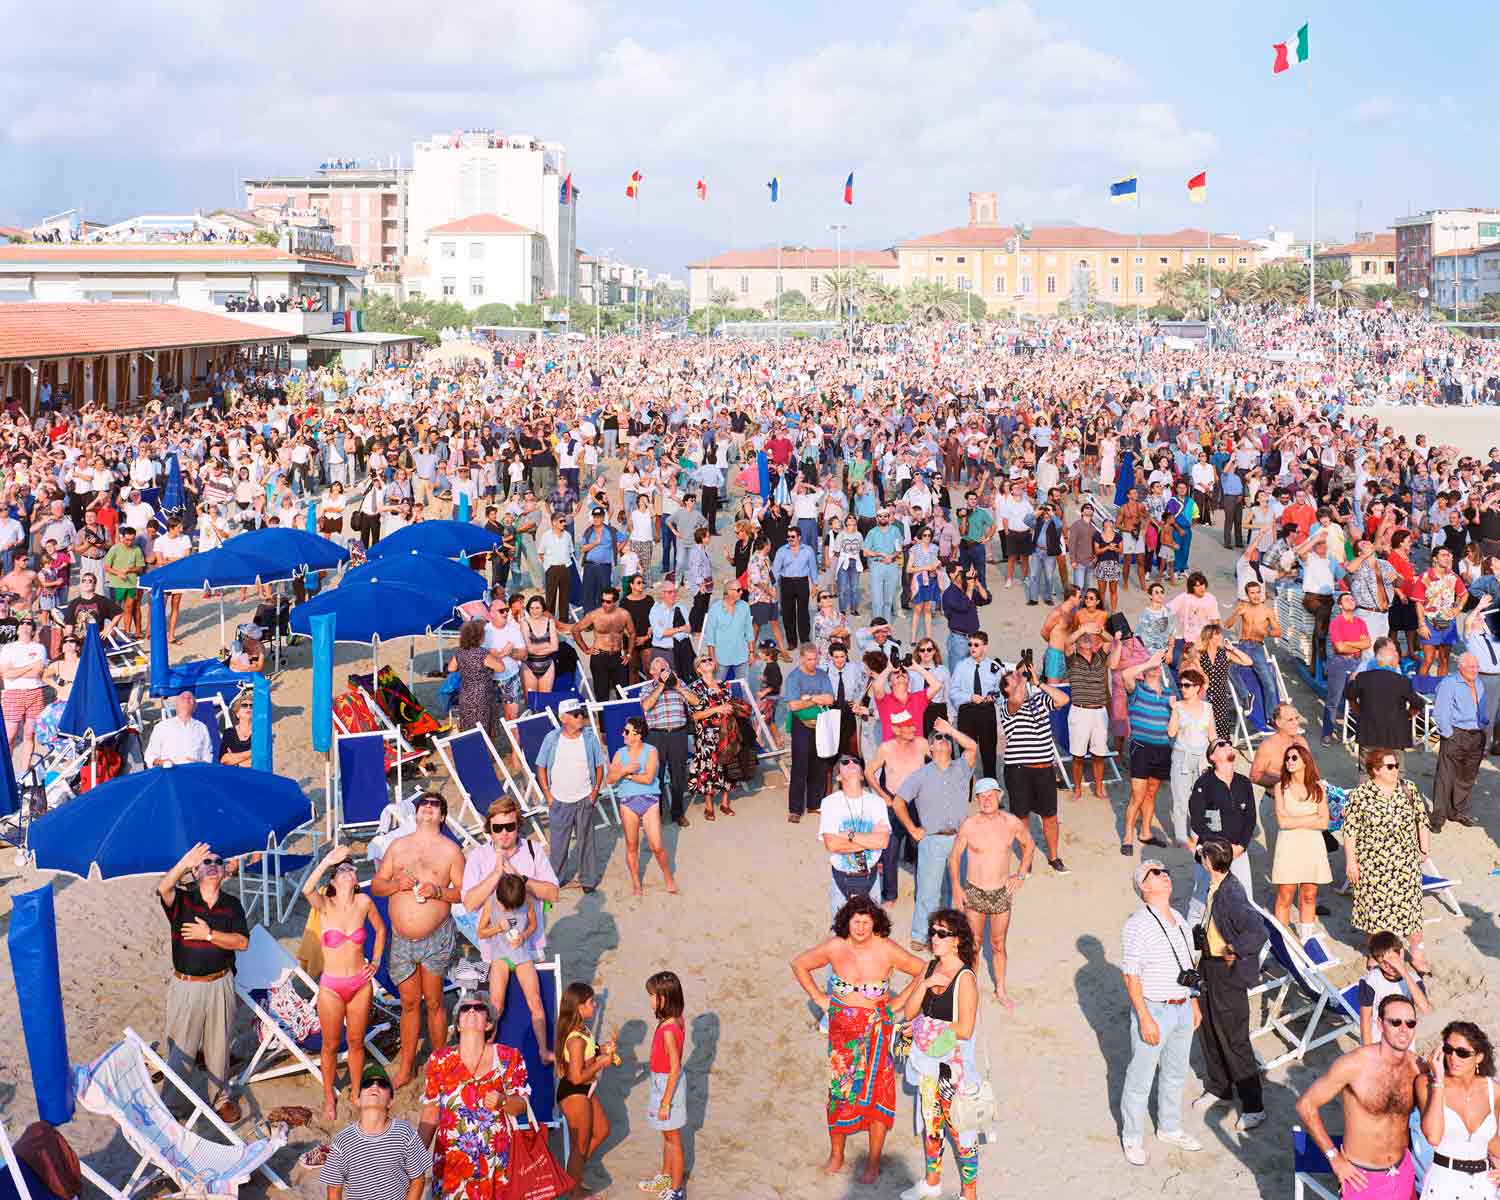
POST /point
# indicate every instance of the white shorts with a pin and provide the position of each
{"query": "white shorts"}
(1088, 732)
(1132, 543)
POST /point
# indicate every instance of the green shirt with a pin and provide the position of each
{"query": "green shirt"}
(118, 559)
(980, 523)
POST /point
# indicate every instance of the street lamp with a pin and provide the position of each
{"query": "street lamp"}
(1213, 295)
(1422, 295)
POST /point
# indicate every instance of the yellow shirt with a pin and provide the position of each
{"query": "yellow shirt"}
(1216, 943)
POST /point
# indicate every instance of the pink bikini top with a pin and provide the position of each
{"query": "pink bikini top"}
(337, 937)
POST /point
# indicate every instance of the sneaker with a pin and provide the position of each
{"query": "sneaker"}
(1207, 1101)
(1181, 1140)
(1059, 866)
(1135, 1153)
(657, 1185)
(674, 1194)
(1249, 1121)
(922, 1190)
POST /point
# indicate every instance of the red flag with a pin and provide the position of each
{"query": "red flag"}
(702, 190)
(633, 188)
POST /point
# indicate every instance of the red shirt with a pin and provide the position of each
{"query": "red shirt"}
(1300, 515)
(1347, 629)
(779, 450)
(887, 706)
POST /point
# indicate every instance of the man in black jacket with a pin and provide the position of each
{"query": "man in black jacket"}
(1232, 936)
(1221, 805)
(1384, 701)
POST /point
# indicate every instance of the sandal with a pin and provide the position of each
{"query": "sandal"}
(726, 810)
(708, 814)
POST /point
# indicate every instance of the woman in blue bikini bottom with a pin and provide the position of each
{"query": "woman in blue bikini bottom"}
(635, 776)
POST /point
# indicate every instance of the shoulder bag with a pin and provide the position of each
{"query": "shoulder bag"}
(534, 1173)
(975, 1109)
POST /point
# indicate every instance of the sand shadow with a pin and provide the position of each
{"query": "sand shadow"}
(1262, 1152)
(697, 1075)
(1100, 988)
(589, 932)
(617, 1086)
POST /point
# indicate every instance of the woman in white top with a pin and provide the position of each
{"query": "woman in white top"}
(1191, 728)
(1456, 1097)
(331, 514)
(643, 532)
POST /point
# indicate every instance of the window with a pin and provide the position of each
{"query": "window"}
(1051, 285)
(450, 249)
(744, 285)
(1026, 285)
(450, 286)
(1084, 264)
(1202, 260)
(1242, 261)
(1365, 266)
(1222, 261)
(999, 285)
(813, 287)
(710, 283)
(476, 287)
(1114, 260)
(1162, 259)
(999, 260)
(960, 258)
(476, 250)
(964, 283)
(1052, 260)
(415, 291)
(1139, 261)
(940, 280)
(937, 258)
(1140, 285)
(1114, 285)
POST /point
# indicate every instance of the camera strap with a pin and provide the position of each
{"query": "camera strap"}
(1171, 945)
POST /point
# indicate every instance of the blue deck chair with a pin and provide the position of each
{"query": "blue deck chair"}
(1302, 973)
(208, 711)
(361, 785)
(1310, 1168)
(476, 769)
(527, 734)
(609, 723)
(515, 1030)
(547, 702)
(632, 691)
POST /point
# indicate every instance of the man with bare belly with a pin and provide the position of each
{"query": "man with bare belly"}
(988, 838)
(423, 874)
(1378, 1087)
(1055, 629)
(885, 773)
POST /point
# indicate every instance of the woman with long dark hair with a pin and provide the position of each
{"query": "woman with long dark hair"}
(1301, 860)
(580, 1063)
(1456, 1097)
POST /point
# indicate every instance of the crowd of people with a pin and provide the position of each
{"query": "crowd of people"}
(795, 548)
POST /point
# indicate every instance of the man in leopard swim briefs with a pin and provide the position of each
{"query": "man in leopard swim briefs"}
(988, 838)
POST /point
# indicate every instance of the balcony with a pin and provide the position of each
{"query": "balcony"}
(296, 323)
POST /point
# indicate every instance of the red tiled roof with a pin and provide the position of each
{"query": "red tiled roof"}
(51, 330)
(1071, 237)
(1381, 243)
(480, 223)
(9, 231)
(803, 259)
(39, 252)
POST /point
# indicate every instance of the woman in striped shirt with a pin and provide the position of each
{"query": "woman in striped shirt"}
(1150, 709)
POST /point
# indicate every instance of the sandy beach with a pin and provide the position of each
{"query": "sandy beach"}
(753, 891)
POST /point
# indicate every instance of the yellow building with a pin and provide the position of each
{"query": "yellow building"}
(1042, 273)
(751, 277)
(1370, 258)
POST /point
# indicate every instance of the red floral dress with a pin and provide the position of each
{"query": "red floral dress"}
(471, 1154)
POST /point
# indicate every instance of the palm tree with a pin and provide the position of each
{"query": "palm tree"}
(930, 302)
(1388, 293)
(1169, 286)
(1489, 308)
(722, 298)
(1269, 284)
(1235, 284)
(1328, 273)
(836, 287)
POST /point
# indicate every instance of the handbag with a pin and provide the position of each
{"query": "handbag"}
(972, 1111)
(828, 731)
(534, 1173)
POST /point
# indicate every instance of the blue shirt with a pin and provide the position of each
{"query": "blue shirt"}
(1230, 484)
(793, 564)
(971, 678)
(884, 540)
(799, 683)
(604, 552)
(729, 633)
(1455, 707)
(1150, 711)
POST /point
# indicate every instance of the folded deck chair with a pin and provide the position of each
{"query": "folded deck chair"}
(118, 1085)
(537, 702)
(1250, 723)
(355, 712)
(765, 747)
(262, 968)
(632, 691)
(1321, 1003)
(476, 769)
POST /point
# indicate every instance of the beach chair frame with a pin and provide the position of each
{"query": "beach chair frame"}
(265, 950)
(526, 790)
(766, 747)
(444, 748)
(1299, 971)
(1310, 1167)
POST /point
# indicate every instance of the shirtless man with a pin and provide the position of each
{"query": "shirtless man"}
(614, 641)
(1258, 622)
(22, 581)
(1265, 768)
(1378, 1085)
(885, 773)
(1132, 521)
(1055, 630)
(423, 874)
(988, 838)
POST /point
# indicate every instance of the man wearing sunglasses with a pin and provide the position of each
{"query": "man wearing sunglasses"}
(422, 872)
(1221, 805)
(1375, 1084)
(208, 928)
(509, 853)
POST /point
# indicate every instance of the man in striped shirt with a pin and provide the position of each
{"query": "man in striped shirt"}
(1150, 709)
(1088, 715)
(1030, 753)
(379, 1157)
(1157, 947)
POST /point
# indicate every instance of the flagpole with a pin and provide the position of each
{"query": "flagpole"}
(1208, 261)
(1312, 242)
(1143, 269)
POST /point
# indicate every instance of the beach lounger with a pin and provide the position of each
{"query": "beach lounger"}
(118, 1085)
(1297, 973)
(1251, 719)
(259, 968)
(479, 774)
(1310, 1170)
(360, 787)
(355, 712)
(526, 735)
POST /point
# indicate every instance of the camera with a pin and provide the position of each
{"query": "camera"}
(1200, 938)
(1028, 661)
(1190, 979)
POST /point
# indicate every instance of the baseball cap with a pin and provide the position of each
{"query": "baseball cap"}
(375, 1073)
(901, 717)
(569, 706)
(984, 785)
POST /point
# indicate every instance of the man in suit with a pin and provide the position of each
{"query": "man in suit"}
(1233, 934)
(1384, 701)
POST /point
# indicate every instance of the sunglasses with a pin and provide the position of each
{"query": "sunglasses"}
(505, 827)
(848, 760)
(1397, 1022)
(480, 1008)
(1458, 1051)
(1150, 871)
(941, 933)
(1390, 765)
(212, 862)
(429, 802)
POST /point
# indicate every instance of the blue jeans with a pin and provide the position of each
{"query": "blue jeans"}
(1167, 1062)
(836, 899)
(727, 671)
(973, 555)
(1080, 574)
(934, 890)
(1039, 578)
(1270, 693)
(848, 589)
(668, 546)
(885, 586)
(1338, 667)
(958, 650)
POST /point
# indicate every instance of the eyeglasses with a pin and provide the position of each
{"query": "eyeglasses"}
(972, 645)
(1456, 1051)
(1398, 1022)
(1150, 871)
(429, 801)
(505, 827)
(941, 933)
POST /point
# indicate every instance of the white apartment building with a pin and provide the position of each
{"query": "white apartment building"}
(480, 259)
(512, 176)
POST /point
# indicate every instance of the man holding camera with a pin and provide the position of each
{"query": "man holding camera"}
(1157, 962)
(665, 703)
(961, 600)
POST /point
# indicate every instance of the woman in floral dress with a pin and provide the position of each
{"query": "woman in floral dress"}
(476, 693)
(473, 1089)
(705, 772)
(1385, 844)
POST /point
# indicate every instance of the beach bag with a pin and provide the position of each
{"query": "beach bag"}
(827, 731)
(296, 1015)
(975, 1110)
(534, 1173)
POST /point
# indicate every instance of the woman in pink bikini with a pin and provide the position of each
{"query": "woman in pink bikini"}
(344, 989)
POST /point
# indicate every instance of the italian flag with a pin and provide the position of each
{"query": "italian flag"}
(1291, 53)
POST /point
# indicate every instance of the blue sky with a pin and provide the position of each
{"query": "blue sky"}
(161, 107)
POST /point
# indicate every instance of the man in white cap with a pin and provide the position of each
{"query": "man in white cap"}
(1157, 951)
(570, 770)
(988, 838)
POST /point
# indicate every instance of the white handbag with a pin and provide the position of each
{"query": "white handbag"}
(975, 1110)
(828, 731)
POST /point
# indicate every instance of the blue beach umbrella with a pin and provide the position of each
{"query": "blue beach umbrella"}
(458, 582)
(173, 494)
(293, 550)
(371, 612)
(144, 822)
(447, 539)
(93, 705)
